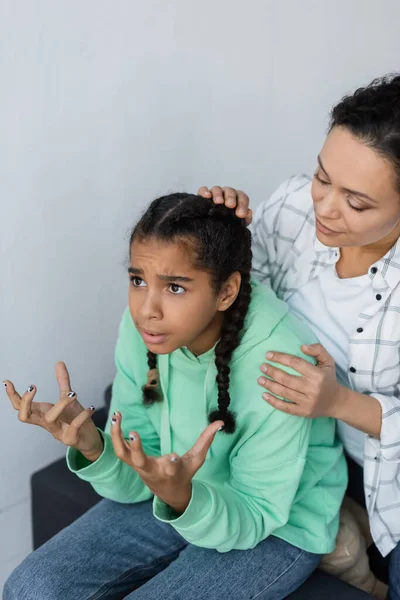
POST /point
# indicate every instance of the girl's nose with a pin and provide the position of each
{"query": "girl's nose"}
(151, 308)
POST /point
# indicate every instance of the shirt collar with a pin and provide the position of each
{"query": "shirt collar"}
(388, 266)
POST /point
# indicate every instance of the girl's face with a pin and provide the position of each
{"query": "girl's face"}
(172, 304)
(354, 192)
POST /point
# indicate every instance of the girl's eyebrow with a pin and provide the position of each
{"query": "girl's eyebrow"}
(168, 278)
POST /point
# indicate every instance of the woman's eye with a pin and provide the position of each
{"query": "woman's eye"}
(137, 282)
(318, 178)
(354, 207)
(176, 289)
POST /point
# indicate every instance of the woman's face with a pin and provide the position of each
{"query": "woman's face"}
(173, 304)
(354, 192)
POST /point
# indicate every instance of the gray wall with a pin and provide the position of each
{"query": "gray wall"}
(105, 104)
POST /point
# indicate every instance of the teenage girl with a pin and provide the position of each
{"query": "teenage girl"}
(208, 491)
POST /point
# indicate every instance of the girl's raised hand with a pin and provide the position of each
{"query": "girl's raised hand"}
(231, 198)
(67, 420)
(168, 477)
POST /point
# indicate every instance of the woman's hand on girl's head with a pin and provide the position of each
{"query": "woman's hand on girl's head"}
(67, 420)
(231, 198)
(314, 393)
(168, 477)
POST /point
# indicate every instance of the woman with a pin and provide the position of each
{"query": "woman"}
(329, 247)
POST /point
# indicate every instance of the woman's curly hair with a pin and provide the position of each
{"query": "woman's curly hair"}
(372, 114)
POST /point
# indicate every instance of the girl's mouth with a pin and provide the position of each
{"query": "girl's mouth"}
(153, 338)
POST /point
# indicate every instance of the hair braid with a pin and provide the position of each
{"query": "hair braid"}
(229, 341)
(150, 389)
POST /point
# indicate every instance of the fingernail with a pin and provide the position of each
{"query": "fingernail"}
(220, 428)
(261, 380)
(265, 396)
(5, 385)
(71, 395)
(132, 437)
(30, 388)
(219, 199)
(91, 407)
(270, 355)
(113, 421)
(173, 459)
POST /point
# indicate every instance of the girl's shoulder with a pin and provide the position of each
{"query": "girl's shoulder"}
(269, 326)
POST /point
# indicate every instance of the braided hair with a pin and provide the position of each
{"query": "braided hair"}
(372, 114)
(206, 228)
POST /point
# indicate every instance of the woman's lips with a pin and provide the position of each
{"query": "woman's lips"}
(153, 338)
(324, 229)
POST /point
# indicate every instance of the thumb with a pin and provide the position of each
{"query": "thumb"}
(319, 352)
(198, 452)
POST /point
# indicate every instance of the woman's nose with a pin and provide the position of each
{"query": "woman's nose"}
(328, 206)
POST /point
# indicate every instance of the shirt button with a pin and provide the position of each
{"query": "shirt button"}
(378, 297)
(352, 370)
(374, 270)
(360, 330)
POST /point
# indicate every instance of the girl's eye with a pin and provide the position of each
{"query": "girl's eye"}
(137, 282)
(318, 178)
(176, 289)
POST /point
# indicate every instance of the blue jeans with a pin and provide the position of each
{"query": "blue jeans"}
(394, 574)
(120, 551)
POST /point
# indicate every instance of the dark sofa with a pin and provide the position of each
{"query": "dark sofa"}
(59, 498)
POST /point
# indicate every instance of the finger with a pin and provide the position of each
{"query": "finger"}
(12, 394)
(52, 415)
(25, 410)
(249, 217)
(199, 450)
(121, 446)
(286, 407)
(242, 204)
(319, 352)
(295, 362)
(293, 382)
(138, 457)
(284, 392)
(204, 191)
(217, 194)
(172, 464)
(230, 197)
(63, 378)
(72, 434)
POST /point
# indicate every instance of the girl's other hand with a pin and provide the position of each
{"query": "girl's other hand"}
(67, 420)
(169, 477)
(231, 198)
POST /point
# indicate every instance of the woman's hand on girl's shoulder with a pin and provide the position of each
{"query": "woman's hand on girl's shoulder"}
(67, 420)
(231, 198)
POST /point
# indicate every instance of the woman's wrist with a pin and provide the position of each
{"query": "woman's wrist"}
(361, 411)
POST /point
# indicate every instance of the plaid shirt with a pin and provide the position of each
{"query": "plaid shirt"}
(287, 254)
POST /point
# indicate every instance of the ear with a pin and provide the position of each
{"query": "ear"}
(229, 291)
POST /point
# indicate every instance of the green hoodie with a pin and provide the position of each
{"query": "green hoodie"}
(275, 475)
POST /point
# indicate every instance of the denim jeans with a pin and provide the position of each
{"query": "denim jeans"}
(120, 551)
(394, 574)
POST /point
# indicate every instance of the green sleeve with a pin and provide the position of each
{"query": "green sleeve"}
(109, 476)
(265, 476)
